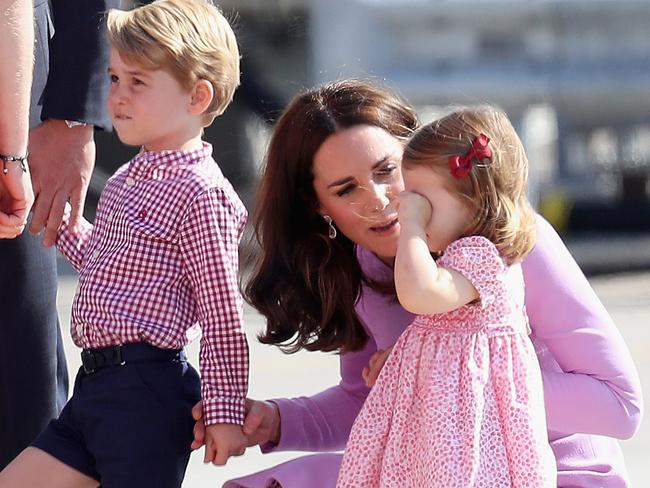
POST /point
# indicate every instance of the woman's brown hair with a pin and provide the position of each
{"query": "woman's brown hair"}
(495, 188)
(305, 284)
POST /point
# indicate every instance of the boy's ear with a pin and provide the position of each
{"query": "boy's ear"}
(202, 95)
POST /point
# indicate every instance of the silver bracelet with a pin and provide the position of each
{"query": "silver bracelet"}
(6, 159)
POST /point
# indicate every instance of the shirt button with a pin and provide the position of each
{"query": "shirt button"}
(95, 254)
(130, 181)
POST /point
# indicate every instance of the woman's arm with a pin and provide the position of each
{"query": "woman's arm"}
(323, 422)
(598, 390)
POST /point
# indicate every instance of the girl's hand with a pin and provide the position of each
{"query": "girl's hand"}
(413, 209)
(371, 372)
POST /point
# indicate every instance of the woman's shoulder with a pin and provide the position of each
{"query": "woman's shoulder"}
(372, 265)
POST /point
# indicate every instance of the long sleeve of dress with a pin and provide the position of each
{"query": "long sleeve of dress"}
(323, 422)
(597, 390)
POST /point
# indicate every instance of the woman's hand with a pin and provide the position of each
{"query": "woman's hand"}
(371, 372)
(262, 423)
(199, 425)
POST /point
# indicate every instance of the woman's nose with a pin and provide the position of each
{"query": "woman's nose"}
(379, 197)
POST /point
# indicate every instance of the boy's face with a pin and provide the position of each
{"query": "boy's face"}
(149, 108)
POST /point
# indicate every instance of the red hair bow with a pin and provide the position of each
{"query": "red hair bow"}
(461, 166)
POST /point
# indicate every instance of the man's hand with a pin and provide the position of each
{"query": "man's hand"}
(223, 441)
(262, 423)
(371, 372)
(16, 198)
(62, 161)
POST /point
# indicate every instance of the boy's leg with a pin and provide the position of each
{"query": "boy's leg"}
(34, 467)
(142, 411)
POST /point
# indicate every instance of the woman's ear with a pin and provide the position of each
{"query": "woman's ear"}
(202, 96)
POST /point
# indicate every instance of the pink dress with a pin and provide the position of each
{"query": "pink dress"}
(459, 403)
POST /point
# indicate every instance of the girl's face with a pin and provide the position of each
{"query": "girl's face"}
(450, 217)
(357, 174)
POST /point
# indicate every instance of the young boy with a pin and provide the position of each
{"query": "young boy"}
(159, 265)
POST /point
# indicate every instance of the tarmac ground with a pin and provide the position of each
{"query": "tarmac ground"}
(273, 374)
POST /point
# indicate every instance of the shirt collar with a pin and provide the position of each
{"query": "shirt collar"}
(145, 162)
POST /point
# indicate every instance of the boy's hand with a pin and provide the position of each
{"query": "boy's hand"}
(371, 372)
(223, 441)
(262, 423)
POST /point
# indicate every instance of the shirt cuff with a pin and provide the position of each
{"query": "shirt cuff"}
(224, 411)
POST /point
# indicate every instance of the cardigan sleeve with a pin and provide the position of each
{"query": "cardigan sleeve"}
(596, 389)
(323, 422)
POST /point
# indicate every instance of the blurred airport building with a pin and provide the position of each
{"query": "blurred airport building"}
(573, 75)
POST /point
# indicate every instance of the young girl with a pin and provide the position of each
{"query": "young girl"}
(460, 400)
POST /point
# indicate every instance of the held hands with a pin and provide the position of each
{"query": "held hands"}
(62, 161)
(262, 425)
(16, 198)
(223, 441)
(371, 372)
(413, 209)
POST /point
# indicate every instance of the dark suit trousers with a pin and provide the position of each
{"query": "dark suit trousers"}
(33, 374)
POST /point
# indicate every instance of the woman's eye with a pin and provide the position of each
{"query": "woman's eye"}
(137, 81)
(345, 190)
(387, 170)
(114, 78)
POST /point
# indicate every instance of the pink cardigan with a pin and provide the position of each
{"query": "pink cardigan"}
(591, 387)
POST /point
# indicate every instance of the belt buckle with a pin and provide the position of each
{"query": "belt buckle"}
(118, 355)
(88, 361)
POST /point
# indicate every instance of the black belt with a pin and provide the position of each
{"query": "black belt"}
(94, 359)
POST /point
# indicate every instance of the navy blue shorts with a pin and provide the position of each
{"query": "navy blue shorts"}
(128, 425)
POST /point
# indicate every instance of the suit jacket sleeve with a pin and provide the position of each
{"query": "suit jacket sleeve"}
(77, 84)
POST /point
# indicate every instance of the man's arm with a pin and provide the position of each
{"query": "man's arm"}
(16, 45)
(77, 85)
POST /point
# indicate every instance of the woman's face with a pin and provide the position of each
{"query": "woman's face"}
(357, 174)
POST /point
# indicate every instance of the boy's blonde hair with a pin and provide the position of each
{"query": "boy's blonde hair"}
(190, 39)
(495, 188)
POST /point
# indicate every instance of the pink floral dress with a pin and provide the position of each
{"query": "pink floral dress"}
(459, 403)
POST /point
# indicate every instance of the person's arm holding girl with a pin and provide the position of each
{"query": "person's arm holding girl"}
(590, 382)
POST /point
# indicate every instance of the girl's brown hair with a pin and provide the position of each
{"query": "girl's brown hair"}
(305, 284)
(495, 188)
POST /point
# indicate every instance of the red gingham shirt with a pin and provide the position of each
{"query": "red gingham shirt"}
(160, 265)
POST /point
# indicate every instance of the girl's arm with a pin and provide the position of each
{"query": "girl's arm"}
(422, 286)
(598, 390)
